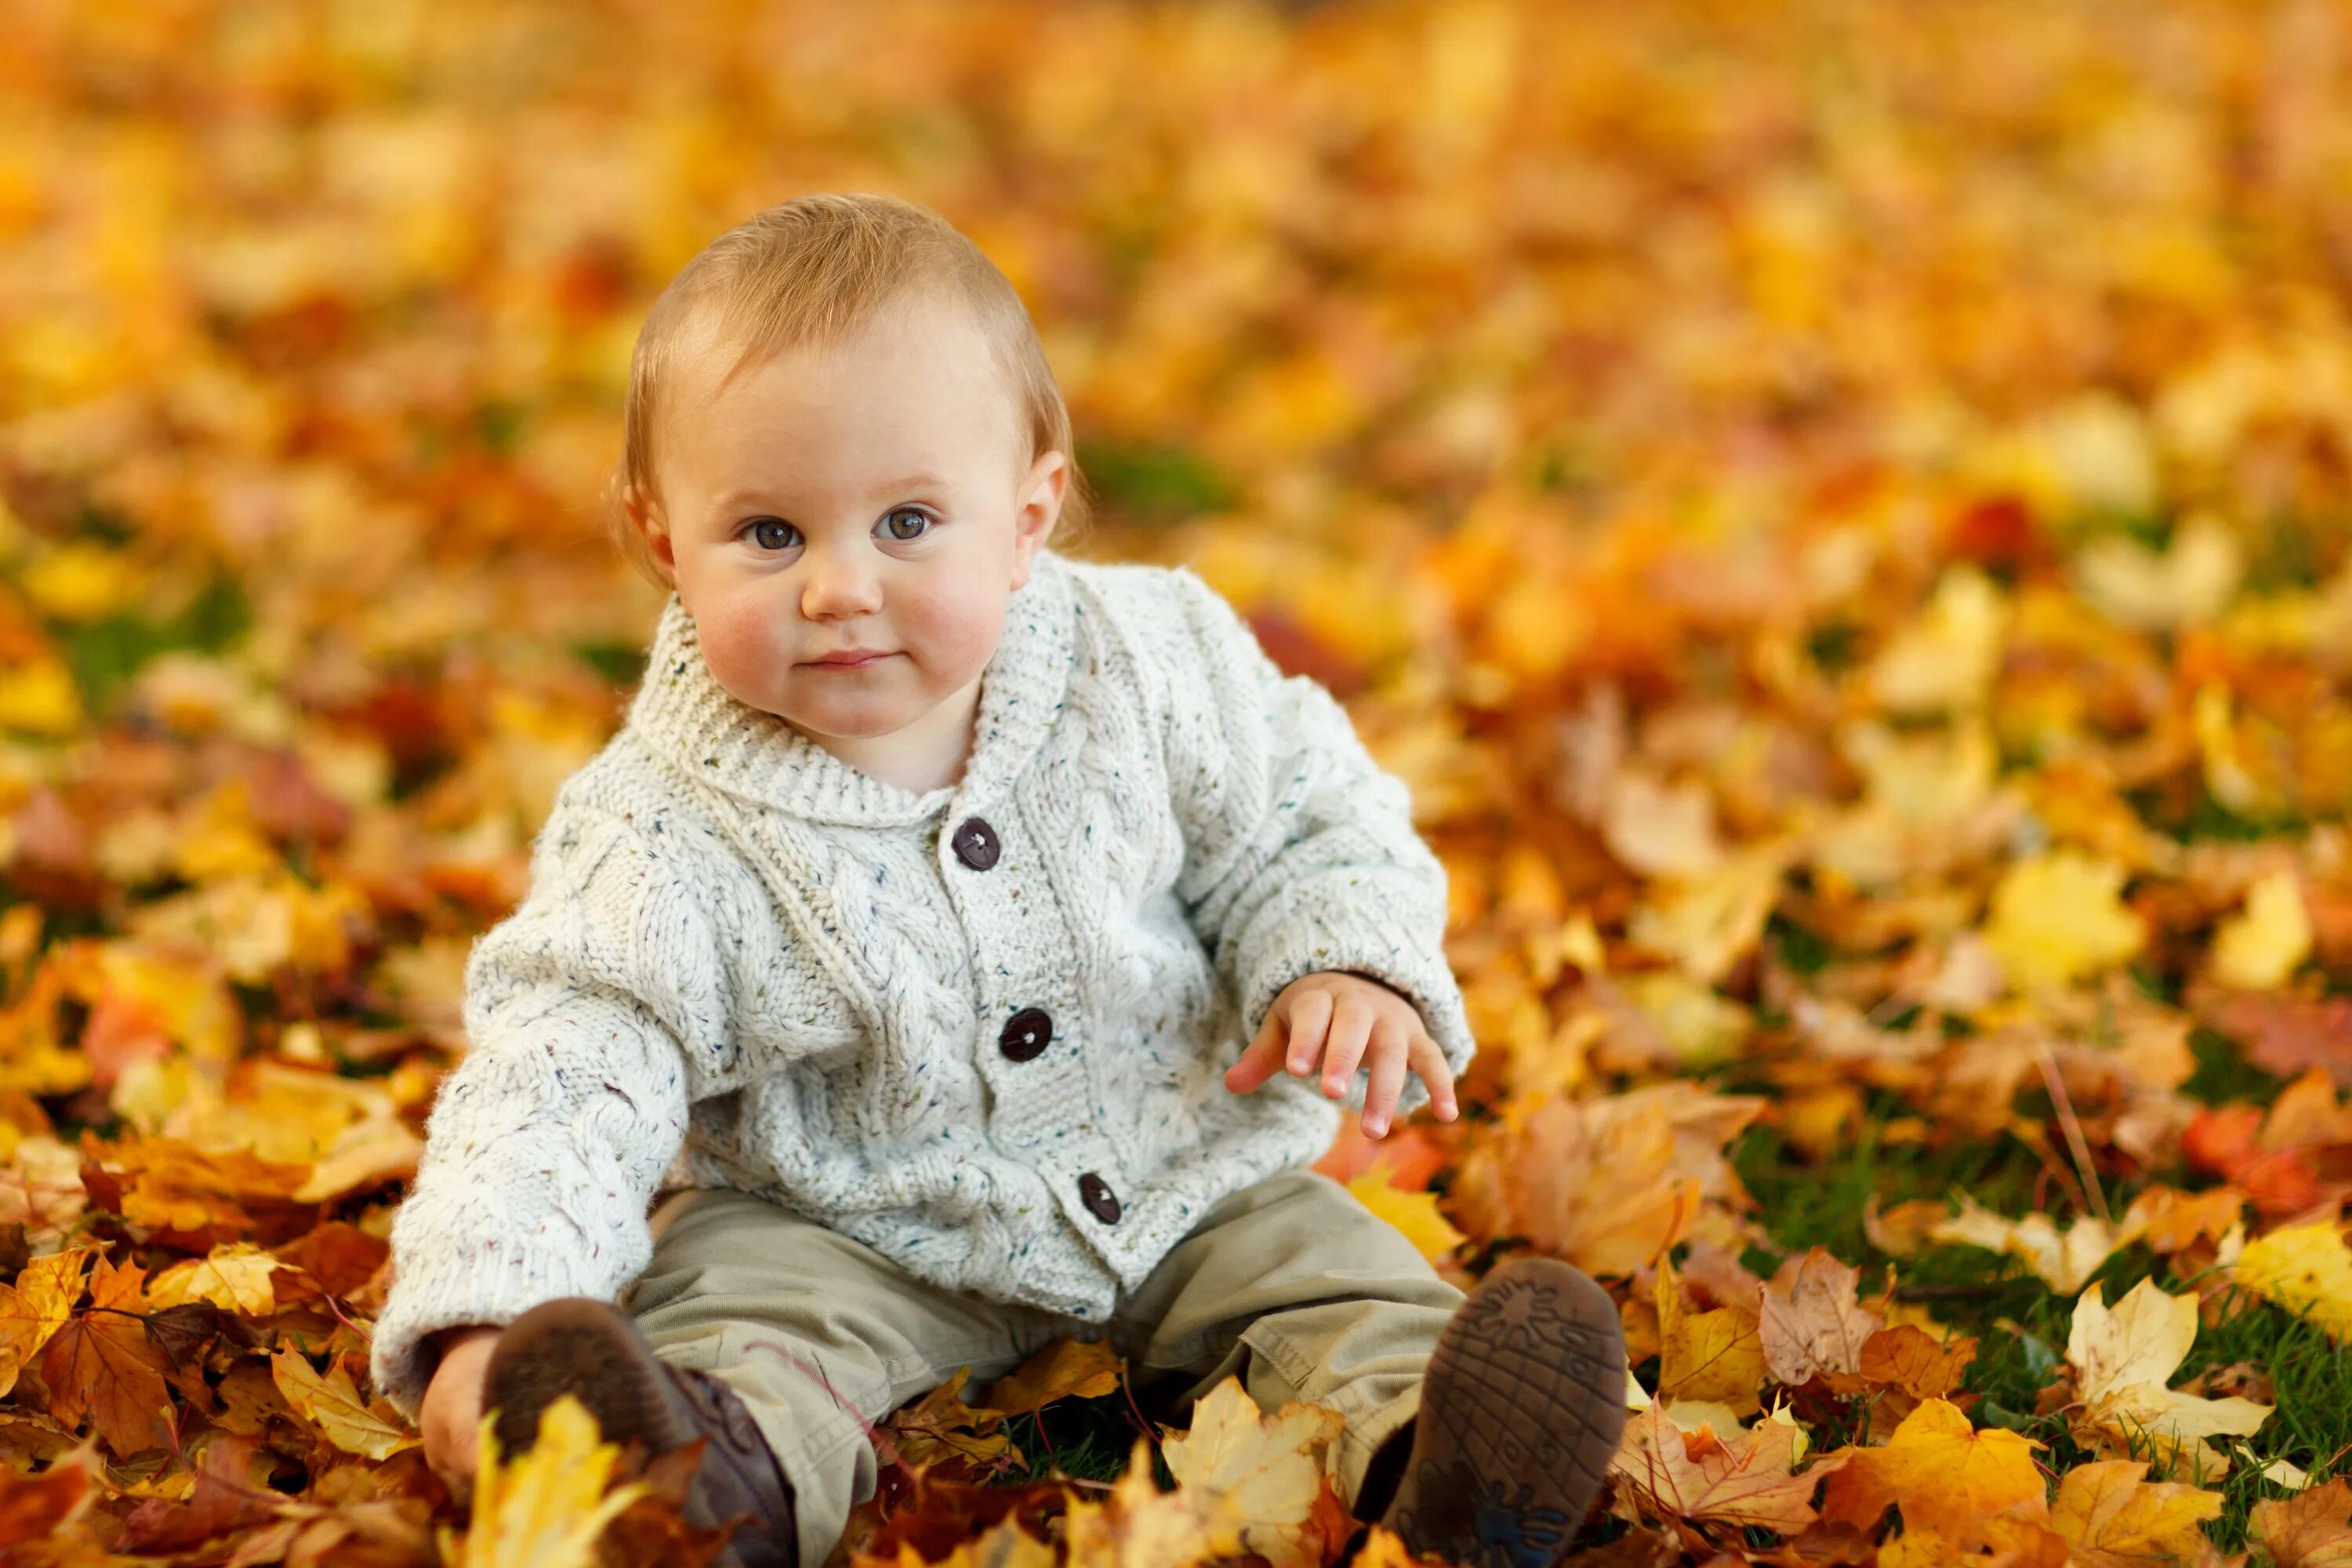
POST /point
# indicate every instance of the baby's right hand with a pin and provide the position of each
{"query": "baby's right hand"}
(451, 1413)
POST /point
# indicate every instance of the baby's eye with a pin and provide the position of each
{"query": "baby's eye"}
(892, 523)
(772, 533)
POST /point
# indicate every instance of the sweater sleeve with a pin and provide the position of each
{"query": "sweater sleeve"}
(546, 1141)
(1299, 850)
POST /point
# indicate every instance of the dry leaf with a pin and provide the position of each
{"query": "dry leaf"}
(369, 1427)
(1944, 1474)
(1741, 1477)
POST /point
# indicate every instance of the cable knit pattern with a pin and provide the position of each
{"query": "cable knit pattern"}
(744, 962)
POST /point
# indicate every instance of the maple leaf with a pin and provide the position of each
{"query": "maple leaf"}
(2059, 916)
(1745, 1478)
(2310, 1530)
(1812, 1326)
(1607, 1185)
(234, 1276)
(940, 1425)
(2064, 1261)
(2304, 1268)
(1413, 1213)
(2124, 1356)
(546, 1507)
(1066, 1369)
(228, 1497)
(1713, 1357)
(102, 1367)
(35, 1307)
(332, 1403)
(40, 1507)
(1909, 1358)
(1944, 1473)
(2287, 1035)
(2258, 949)
(1253, 1480)
(2111, 1517)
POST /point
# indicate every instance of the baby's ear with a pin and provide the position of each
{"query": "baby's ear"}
(642, 515)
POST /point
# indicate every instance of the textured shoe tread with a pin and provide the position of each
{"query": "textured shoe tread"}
(592, 1351)
(1521, 1407)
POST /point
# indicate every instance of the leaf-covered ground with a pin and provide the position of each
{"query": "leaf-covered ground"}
(1838, 507)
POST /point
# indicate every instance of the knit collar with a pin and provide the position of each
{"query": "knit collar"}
(684, 713)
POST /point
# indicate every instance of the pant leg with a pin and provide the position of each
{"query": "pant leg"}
(1305, 1294)
(819, 1334)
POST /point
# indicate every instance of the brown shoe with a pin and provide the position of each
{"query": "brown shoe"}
(593, 1351)
(1520, 1409)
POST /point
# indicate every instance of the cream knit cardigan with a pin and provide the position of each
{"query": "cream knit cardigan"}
(743, 963)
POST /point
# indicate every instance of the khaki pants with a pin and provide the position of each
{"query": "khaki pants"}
(1292, 1284)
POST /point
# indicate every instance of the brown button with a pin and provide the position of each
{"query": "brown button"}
(975, 843)
(1096, 1194)
(1026, 1034)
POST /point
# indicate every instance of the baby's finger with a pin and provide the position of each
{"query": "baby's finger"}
(1351, 1029)
(1310, 1018)
(1388, 1059)
(1430, 1063)
(1261, 1061)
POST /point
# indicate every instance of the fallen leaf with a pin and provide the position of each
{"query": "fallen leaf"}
(36, 1306)
(2260, 946)
(234, 1276)
(104, 1368)
(1413, 1213)
(1714, 1357)
(369, 1427)
(544, 1508)
(1066, 1369)
(2059, 916)
(2304, 1268)
(2309, 1529)
(1254, 1479)
(2124, 1356)
(1943, 1473)
(35, 1508)
(2113, 1518)
(2064, 1261)
(1814, 1327)
(1742, 1476)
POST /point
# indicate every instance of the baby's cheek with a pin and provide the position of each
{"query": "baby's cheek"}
(740, 644)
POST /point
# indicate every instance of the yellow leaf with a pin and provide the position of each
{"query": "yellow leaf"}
(2059, 916)
(1715, 1357)
(1251, 1480)
(235, 1274)
(2114, 1518)
(38, 696)
(1413, 1213)
(2303, 1269)
(36, 1306)
(1066, 1369)
(546, 1507)
(2258, 948)
(1945, 659)
(2122, 1359)
(2064, 1261)
(1946, 1475)
(2187, 585)
(371, 1428)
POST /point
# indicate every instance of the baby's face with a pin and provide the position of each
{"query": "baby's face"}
(878, 501)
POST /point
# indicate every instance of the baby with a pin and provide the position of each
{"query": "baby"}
(980, 943)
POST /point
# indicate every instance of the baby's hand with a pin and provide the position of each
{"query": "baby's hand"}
(450, 1418)
(1346, 1020)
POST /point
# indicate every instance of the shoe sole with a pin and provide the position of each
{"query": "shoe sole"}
(592, 1351)
(1521, 1407)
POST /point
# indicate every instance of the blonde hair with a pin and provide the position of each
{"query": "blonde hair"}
(806, 275)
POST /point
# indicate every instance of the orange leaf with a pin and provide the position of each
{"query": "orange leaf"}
(1745, 1480)
(104, 1367)
(1944, 1473)
(1066, 1369)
